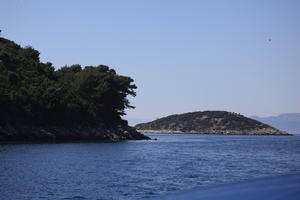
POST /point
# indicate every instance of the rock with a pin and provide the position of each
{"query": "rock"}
(23, 133)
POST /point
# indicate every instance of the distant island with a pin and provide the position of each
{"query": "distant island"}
(41, 104)
(209, 122)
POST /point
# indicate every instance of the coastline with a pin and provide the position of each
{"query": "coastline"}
(221, 132)
(16, 134)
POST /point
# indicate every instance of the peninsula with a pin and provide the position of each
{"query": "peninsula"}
(209, 122)
(39, 103)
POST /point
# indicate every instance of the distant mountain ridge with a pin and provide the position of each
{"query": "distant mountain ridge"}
(289, 122)
(209, 122)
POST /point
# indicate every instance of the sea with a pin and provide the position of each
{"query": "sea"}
(144, 169)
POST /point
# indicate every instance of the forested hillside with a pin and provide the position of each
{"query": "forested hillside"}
(33, 92)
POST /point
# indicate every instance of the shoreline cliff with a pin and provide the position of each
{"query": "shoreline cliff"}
(80, 133)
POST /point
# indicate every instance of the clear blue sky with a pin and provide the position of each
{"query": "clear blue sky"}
(241, 56)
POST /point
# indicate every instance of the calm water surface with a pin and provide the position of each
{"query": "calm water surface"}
(140, 169)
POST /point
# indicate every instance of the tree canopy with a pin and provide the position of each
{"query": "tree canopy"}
(34, 92)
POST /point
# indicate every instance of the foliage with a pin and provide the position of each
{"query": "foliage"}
(34, 92)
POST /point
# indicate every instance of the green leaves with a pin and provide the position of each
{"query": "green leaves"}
(34, 91)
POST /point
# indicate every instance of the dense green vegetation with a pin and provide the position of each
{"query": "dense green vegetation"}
(207, 120)
(35, 93)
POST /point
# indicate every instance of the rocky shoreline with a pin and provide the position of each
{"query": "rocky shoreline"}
(32, 134)
(265, 131)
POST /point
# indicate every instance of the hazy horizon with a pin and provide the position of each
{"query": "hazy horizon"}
(184, 56)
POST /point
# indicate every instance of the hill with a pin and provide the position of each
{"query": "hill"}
(209, 122)
(289, 122)
(38, 102)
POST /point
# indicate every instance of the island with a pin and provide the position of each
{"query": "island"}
(39, 103)
(209, 122)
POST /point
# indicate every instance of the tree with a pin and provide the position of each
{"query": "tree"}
(34, 92)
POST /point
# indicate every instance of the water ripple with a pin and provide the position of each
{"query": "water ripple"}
(139, 169)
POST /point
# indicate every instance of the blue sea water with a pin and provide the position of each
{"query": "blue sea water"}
(140, 169)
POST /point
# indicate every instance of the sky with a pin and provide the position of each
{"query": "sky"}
(185, 56)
